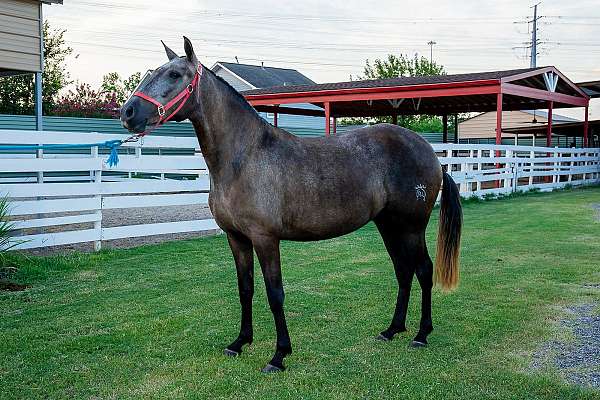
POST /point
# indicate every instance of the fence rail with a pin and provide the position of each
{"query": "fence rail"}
(62, 195)
(60, 191)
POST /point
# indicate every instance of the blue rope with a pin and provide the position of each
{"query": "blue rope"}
(113, 145)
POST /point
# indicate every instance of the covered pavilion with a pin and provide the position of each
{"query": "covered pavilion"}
(441, 95)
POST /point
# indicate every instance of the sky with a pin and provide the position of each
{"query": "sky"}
(329, 41)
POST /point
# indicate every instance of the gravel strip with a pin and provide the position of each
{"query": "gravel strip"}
(577, 360)
(134, 216)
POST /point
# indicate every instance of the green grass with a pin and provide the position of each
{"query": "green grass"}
(152, 322)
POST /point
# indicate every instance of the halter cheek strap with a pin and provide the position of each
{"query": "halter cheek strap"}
(181, 98)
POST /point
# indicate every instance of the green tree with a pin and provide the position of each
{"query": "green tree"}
(122, 88)
(398, 66)
(17, 94)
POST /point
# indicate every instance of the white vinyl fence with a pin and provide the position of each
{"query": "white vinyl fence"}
(483, 169)
(56, 191)
(59, 190)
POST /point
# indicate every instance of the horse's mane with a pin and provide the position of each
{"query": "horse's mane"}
(235, 93)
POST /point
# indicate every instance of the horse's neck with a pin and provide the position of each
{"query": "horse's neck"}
(227, 128)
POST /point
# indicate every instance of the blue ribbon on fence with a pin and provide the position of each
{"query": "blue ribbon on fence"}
(113, 145)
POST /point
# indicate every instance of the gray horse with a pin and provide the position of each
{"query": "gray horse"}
(269, 185)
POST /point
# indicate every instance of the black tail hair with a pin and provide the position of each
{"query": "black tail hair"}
(448, 242)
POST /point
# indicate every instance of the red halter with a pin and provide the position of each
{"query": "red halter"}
(181, 98)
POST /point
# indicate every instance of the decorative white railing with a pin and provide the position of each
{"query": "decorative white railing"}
(60, 193)
(482, 169)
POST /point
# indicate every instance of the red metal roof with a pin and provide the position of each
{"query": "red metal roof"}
(392, 82)
(442, 94)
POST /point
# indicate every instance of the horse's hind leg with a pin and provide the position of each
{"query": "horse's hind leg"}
(401, 248)
(241, 247)
(408, 253)
(425, 276)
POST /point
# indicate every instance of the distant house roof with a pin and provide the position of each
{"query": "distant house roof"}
(265, 77)
(591, 88)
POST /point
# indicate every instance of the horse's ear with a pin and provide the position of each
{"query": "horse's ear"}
(189, 51)
(170, 53)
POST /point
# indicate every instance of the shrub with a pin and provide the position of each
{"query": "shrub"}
(6, 227)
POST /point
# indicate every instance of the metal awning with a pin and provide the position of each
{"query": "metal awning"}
(591, 88)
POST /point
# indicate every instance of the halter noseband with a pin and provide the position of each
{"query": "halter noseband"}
(181, 98)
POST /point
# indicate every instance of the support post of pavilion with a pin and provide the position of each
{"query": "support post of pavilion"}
(445, 124)
(549, 126)
(327, 119)
(586, 126)
(456, 128)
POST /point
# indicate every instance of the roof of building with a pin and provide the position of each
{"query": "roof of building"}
(521, 89)
(591, 88)
(265, 77)
(393, 82)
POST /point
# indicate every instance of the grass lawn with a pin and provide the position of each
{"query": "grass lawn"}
(152, 322)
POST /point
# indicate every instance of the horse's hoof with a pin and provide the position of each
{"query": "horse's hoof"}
(271, 368)
(230, 353)
(416, 343)
(383, 338)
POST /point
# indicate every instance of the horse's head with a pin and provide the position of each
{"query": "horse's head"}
(163, 93)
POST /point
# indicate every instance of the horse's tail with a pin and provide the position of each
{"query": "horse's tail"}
(448, 241)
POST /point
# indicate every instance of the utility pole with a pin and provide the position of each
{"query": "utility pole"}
(431, 43)
(534, 39)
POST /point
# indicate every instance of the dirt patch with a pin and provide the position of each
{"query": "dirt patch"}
(11, 286)
(577, 358)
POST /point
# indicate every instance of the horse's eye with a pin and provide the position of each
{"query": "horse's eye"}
(174, 75)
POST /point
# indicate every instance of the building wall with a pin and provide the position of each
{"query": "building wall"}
(484, 125)
(233, 80)
(20, 35)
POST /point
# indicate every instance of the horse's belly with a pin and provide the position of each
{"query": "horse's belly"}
(324, 223)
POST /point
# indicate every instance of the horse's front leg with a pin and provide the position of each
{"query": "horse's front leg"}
(267, 250)
(241, 247)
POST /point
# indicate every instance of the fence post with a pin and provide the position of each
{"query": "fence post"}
(98, 213)
(531, 163)
(556, 175)
(508, 166)
(479, 172)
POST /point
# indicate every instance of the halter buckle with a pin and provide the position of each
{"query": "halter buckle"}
(161, 111)
(190, 88)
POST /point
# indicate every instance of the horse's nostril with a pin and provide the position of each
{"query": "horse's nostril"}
(129, 112)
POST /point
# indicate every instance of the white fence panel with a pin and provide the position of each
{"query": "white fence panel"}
(81, 185)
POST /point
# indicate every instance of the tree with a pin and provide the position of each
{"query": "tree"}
(17, 94)
(398, 66)
(122, 88)
(83, 101)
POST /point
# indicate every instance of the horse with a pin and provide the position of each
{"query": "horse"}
(268, 185)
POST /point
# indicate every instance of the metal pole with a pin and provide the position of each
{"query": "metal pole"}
(38, 77)
(456, 128)
(499, 119)
(586, 127)
(533, 63)
(327, 119)
(431, 43)
(445, 133)
(549, 126)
